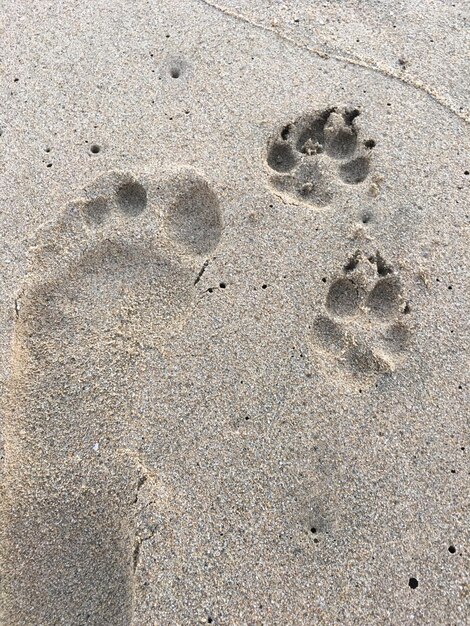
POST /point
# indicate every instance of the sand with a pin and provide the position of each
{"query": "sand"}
(234, 338)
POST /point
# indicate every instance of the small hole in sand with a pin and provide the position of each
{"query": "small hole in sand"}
(47, 149)
(175, 72)
(209, 620)
(264, 286)
(222, 285)
(452, 549)
(49, 165)
(323, 280)
(466, 172)
(210, 290)
(313, 530)
(370, 143)
(366, 218)
(94, 148)
(413, 583)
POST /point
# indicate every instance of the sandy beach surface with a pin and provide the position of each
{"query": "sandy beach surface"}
(234, 312)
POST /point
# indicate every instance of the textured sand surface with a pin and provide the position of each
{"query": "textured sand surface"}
(234, 333)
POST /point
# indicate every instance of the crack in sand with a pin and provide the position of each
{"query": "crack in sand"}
(358, 62)
(201, 271)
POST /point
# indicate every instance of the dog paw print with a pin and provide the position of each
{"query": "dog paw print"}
(307, 158)
(363, 331)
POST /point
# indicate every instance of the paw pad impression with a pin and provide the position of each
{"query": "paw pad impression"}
(363, 330)
(306, 157)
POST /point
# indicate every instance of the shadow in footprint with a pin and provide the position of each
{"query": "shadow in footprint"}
(343, 298)
(384, 299)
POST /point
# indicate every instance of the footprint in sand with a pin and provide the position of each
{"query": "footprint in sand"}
(107, 283)
(310, 156)
(363, 332)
